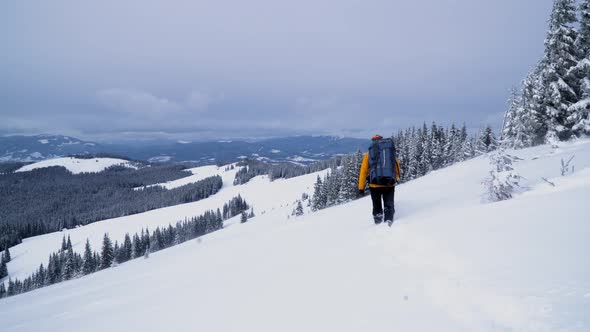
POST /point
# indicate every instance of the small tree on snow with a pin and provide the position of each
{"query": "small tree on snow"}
(503, 179)
(298, 209)
(243, 217)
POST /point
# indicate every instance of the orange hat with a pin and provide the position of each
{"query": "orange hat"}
(376, 137)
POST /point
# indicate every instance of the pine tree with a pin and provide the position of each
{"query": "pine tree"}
(580, 111)
(317, 199)
(244, 217)
(69, 265)
(127, 249)
(107, 255)
(503, 180)
(298, 209)
(3, 269)
(560, 57)
(89, 264)
(530, 124)
(508, 133)
(68, 243)
(6, 256)
(64, 245)
(487, 141)
(583, 41)
(2, 290)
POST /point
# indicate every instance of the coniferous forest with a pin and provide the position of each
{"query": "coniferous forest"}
(51, 199)
(419, 150)
(553, 102)
(65, 264)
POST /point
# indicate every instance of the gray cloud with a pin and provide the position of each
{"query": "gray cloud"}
(259, 68)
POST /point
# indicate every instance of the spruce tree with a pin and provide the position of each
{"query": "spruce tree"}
(316, 200)
(487, 141)
(127, 248)
(580, 111)
(299, 209)
(244, 217)
(583, 41)
(89, 264)
(69, 269)
(107, 255)
(2, 290)
(6, 256)
(560, 57)
(530, 124)
(64, 244)
(3, 269)
(508, 133)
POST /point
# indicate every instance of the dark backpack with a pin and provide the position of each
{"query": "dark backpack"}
(382, 157)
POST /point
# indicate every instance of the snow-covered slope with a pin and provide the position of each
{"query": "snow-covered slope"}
(198, 173)
(449, 263)
(78, 165)
(267, 197)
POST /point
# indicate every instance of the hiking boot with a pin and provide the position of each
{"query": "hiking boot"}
(378, 219)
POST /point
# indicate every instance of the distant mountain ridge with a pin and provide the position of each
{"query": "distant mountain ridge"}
(296, 149)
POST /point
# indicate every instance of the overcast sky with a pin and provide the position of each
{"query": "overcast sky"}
(115, 69)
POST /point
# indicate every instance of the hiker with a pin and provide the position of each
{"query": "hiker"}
(379, 169)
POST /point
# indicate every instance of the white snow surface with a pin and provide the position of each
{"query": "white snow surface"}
(77, 165)
(198, 174)
(449, 263)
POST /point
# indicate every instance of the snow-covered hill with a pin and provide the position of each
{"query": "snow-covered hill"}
(449, 263)
(79, 165)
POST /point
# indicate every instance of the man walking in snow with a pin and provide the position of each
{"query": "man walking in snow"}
(381, 168)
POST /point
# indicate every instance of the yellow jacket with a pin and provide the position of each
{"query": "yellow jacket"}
(365, 172)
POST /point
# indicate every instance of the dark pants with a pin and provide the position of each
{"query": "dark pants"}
(387, 196)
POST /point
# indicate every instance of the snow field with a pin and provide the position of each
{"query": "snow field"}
(77, 165)
(449, 263)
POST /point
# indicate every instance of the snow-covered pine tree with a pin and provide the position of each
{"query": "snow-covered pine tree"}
(6, 255)
(503, 179)
(559, 58)
(89, 264)
(349, 179)
(2, 290)
(580, 111)
(243, 217)
(486, 141)
(64, 245)
(107, 255)
(317, 201)
(127, 248)
(298, 209)
(3, 269)
(425, 162)
(435, 147)
(69, 270)
(508, 134)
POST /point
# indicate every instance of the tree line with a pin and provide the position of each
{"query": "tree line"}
(65, 264)
(284, 170)
(553, 102)
(51, 199)
(419, 150)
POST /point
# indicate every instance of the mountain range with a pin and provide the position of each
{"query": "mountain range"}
(296, 149)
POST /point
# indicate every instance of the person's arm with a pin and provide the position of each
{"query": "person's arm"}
(364, 172)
